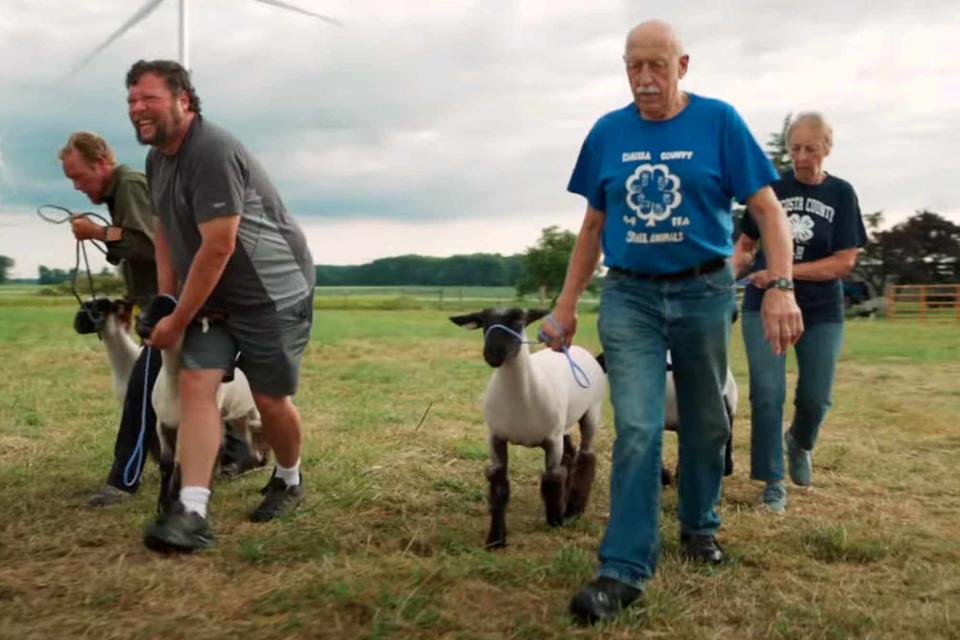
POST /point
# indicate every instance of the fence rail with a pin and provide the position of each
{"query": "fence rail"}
(924, 302)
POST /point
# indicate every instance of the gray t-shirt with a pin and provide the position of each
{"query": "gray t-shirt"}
(213, 175)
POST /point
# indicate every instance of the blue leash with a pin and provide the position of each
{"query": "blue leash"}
(136, 457)
(581, 377)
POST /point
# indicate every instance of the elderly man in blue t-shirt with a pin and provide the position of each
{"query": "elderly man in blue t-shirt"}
(659, 176)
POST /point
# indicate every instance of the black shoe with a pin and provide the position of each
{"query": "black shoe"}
(178, 530)
(278, 499)
(235, 468)
(701, 547)
(602, 599)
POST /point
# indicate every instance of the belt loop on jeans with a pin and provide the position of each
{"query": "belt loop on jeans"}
(701, 269)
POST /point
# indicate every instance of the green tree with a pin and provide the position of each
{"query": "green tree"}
(777, 147)
(547, 262)
(923, 249)
(6, 263)
(52, 276)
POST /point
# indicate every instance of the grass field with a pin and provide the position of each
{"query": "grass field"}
(389, 542)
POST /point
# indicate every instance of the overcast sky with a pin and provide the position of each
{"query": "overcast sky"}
(452, 126)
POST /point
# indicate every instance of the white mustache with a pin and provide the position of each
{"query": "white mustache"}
(647, 91)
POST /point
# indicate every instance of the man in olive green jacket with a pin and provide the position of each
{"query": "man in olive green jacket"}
(89, 162)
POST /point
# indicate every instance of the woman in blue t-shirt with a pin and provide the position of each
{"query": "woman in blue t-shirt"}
(827, 233)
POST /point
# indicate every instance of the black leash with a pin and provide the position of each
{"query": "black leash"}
(55, 214)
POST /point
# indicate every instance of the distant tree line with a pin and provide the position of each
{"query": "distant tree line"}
(478, 269)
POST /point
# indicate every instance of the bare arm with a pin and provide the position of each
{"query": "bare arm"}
(743, 255)
(218, 240)
(833, 266)
(583, 262)
(782, 321)
(166, 274)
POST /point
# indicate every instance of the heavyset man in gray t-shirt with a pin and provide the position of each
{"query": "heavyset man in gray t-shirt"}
(243, 275)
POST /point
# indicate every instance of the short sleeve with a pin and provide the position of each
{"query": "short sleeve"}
(848, 229)
(218, 182)
(746, 167)
(585, 180)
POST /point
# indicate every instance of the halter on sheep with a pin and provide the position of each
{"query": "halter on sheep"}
(534, 401)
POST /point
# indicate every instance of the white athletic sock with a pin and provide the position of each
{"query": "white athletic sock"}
(290, 475)
(195, 499)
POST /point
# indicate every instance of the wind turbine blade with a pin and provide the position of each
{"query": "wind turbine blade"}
(290, 7)
(141, 13)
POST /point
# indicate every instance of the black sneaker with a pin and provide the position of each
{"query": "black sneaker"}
(107, 496)
(602, 599)
(178, 530)
(278, 499)
(701, 547)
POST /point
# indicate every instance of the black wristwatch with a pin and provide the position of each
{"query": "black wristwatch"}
(781, 283)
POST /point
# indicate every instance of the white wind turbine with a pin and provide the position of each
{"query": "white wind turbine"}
(183, 52)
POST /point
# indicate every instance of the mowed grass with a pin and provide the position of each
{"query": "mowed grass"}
(389, 544)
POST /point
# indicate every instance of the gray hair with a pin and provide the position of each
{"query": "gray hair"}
(816, 120)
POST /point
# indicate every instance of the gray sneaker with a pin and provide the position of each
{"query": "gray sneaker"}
(278, 499)
(178, 530)
(107, 496)
(799, 462)
(774, 496)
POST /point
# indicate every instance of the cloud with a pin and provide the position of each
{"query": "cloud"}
(436, 113)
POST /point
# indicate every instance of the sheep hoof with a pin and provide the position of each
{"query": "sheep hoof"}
(552, 490)
(493, 544)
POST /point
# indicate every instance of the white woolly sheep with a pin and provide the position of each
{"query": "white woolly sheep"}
(534, 401)
(234, 399)
(110, 319)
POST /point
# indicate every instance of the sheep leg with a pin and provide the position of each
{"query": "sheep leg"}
(569, 456)
(499, 494)
(728, 450)
(169, 476)
(553, 480)
(580, 481)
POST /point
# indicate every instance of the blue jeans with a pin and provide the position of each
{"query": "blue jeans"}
(817, 352)
(639, 321)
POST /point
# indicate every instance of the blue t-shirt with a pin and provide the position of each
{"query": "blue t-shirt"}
(825, 218)
(666, 186)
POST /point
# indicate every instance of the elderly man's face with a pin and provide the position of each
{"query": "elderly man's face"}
(654, 69)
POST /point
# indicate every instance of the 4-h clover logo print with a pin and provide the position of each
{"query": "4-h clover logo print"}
(802, 227)
(653, 193)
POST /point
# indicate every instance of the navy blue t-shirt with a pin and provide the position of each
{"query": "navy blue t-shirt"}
(825, 218)
(666, 185)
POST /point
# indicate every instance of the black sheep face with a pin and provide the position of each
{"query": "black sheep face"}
(92, 315)
(499, 344)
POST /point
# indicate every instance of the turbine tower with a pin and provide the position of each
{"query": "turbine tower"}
(183, 27)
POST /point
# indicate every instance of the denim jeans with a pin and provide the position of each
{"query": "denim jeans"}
(639, 321)
(817, 352)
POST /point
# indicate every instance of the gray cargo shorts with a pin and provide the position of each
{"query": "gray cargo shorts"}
(265, 343)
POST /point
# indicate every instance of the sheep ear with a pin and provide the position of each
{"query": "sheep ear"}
(468, 321)
(535, 314)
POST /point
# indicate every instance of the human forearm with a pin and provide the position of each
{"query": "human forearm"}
(128, 244)
(775, 231)
(218, 240)
(834, 266)
(204, 274)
